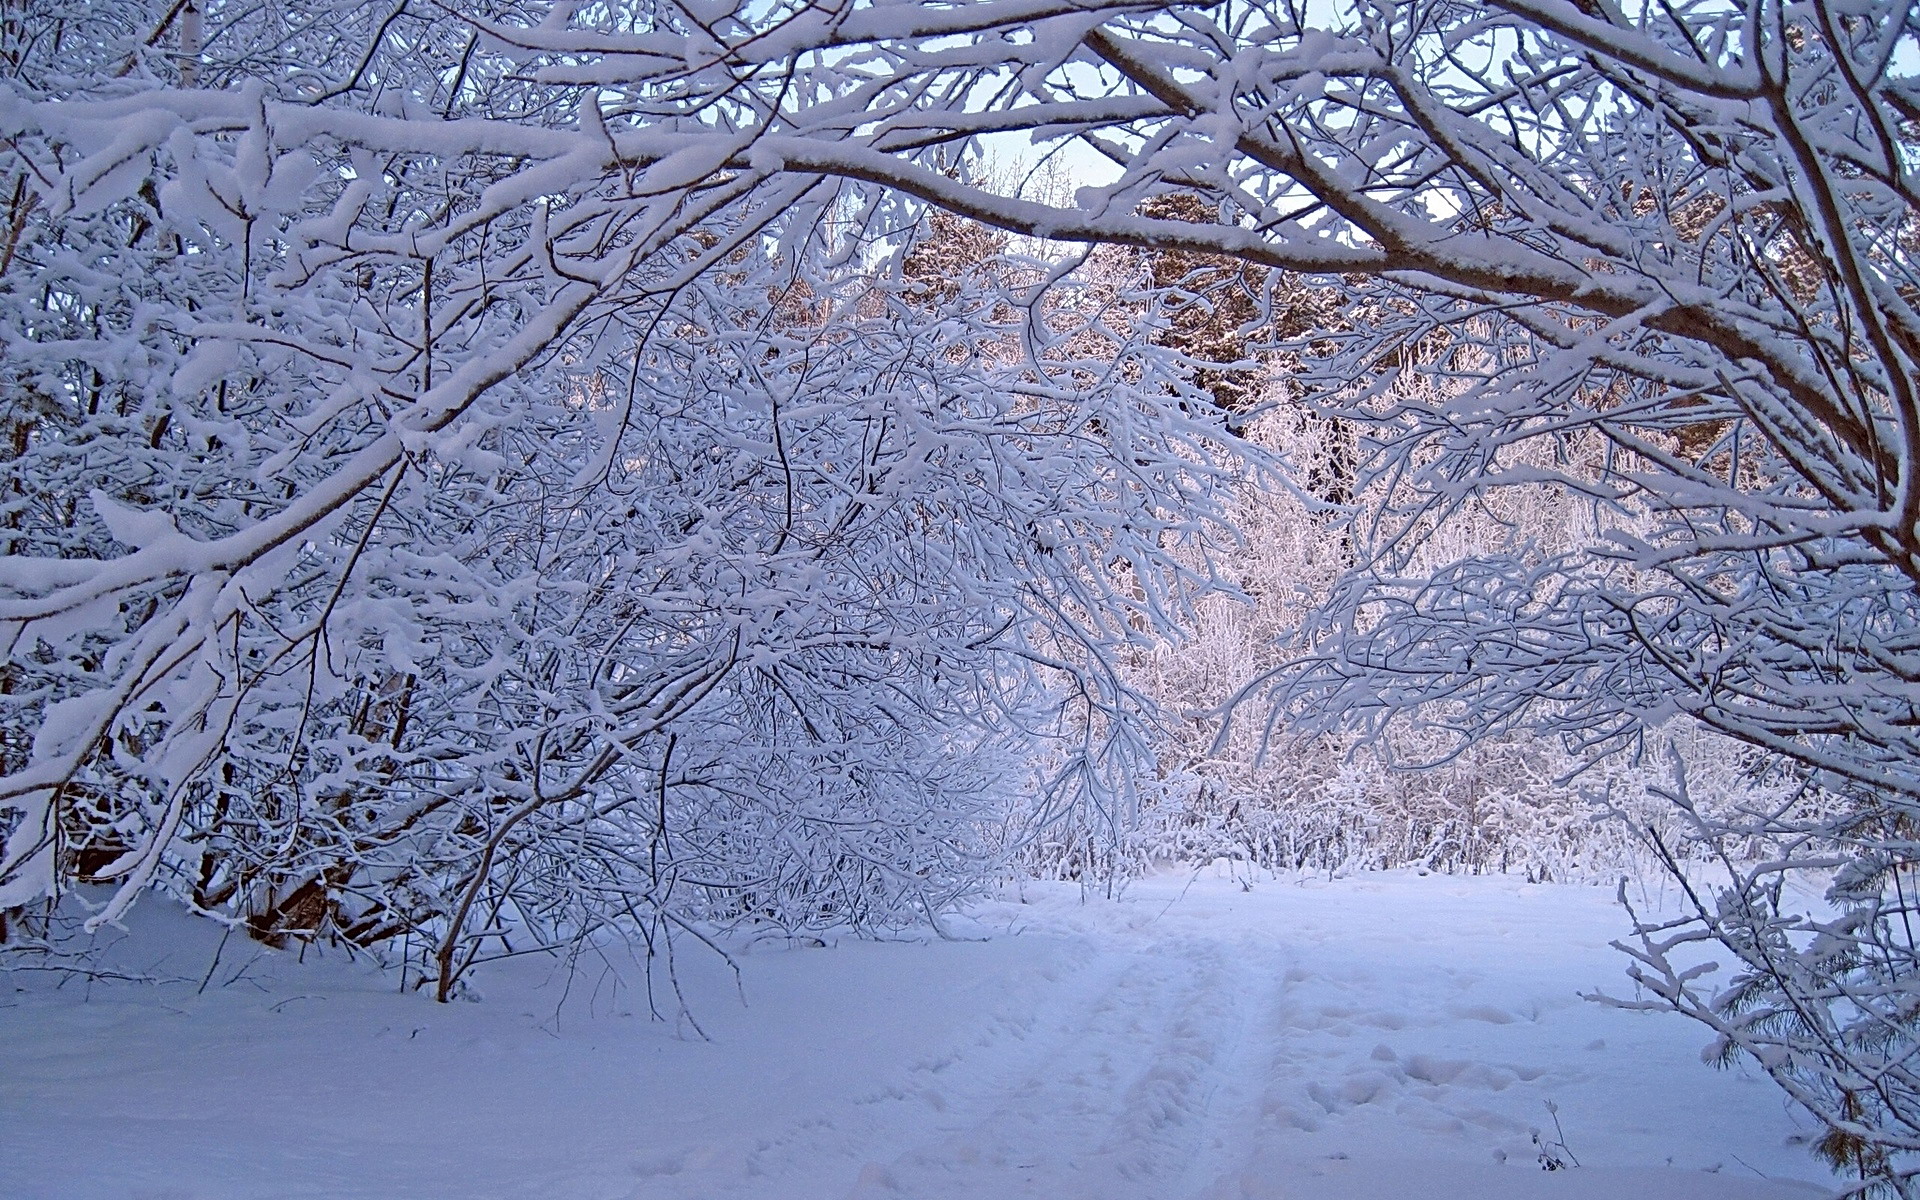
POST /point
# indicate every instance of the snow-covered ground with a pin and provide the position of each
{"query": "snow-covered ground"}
(1377, 1037)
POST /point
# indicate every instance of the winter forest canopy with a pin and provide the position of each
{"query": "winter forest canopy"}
(479, 479)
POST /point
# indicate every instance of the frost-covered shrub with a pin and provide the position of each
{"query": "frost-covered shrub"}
(417, 537)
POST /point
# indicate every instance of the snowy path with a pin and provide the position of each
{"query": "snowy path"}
(1113, 1101)
(1308, 1041)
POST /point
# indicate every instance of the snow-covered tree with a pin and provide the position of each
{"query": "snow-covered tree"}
(430, 538)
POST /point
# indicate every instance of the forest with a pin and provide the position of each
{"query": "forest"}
(492, 485)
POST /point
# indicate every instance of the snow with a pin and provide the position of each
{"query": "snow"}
(1378, 1036)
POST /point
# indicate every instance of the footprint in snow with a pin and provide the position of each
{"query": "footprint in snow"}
(1482, 1012)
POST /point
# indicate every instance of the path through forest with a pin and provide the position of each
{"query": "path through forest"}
(1302, 1040)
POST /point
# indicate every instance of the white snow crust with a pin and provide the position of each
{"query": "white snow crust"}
(1381, 1036)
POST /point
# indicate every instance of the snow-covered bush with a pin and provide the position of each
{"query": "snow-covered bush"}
(1234, 784)
(420, 536)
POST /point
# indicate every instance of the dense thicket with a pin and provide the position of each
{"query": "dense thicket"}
(417, 547)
